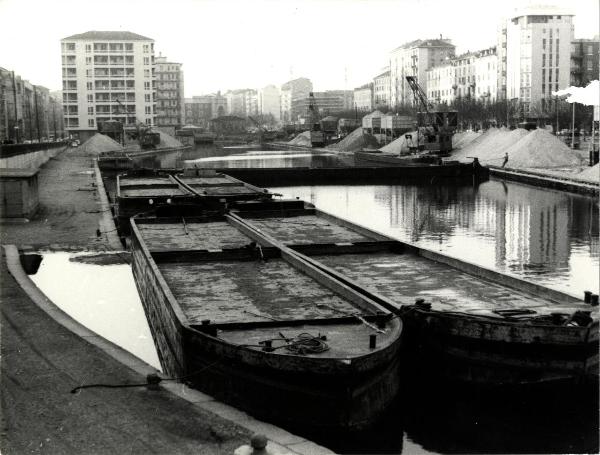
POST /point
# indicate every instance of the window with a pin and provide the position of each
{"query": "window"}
(91, 122)
(544, 43)
(146, 60)
(147, 97)
(88, 73)
(147, 85)
(90, 86)
(90, 98)
(148, 109)
(556, 74)
(91, 110)
(146, 73)
(128, 47)
(88, 60)
(88, 48)
(590, 49)
(70, 46)
(146, 48)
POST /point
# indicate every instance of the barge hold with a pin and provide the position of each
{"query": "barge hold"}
(207, 190)
(464, 323)
(263, 329)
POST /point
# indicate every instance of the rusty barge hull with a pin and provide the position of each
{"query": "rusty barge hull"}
(471, 325)
(221, 309)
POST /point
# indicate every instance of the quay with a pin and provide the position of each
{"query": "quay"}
(46, 354)
(546, 179)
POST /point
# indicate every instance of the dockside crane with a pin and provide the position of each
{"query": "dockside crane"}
(435, 126)
(145, 136)
(317, 136)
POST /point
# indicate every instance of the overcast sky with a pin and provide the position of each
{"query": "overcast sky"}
(237, 44)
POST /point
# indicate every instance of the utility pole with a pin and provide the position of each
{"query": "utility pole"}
(573, 129)
(16, 110)
(556, 110)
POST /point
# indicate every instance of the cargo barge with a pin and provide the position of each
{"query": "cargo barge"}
(261, 328)
(464, 323)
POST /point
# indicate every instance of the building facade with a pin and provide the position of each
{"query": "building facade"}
(200, 110)
(269, 102)
(363, 97)
(414, 59)
(251, 102)
(294, 94)
(170, 103)
(107, 76)
(382, 95)
(328, 102)
(585, 61)
(538, 56)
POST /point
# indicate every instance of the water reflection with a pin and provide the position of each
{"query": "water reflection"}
(547, 236)
(103, 298)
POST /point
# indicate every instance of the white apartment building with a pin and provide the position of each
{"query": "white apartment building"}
(414, 59)
(441, 85)
(382, 89)
(251, 102)
(293, 98)
(170, 104)
(107, 76)
(363, 97)
(269, 102)
(538, 53)
(486, 75)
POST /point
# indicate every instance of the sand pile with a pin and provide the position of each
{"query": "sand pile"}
(400, 145)
(464, 138)
(591, 174)
(303, 139)
(100, 143)
(168, 141)
(490, 146)
(356, 141)
(541, 149)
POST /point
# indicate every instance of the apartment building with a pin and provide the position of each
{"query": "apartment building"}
(199, 110)
(269, 102)
(363, 97)
(251, 102)
(441, 84)
(538, 55)
(414, 59)
(170, 103)
(382, 89)
(107, 76)
(585, 64)
(328, 102)
(294, 94)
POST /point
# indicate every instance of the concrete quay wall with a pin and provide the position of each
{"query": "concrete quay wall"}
(28, 156)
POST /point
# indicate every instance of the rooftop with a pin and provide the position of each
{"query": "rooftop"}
(541, 10)
(426, 43)
(108, 36)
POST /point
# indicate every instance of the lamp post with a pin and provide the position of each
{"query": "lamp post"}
(573, 128)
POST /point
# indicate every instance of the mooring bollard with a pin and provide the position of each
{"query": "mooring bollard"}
(258, 445)
(587, 296)
(594, 300)
(372, 341)
(152, 381)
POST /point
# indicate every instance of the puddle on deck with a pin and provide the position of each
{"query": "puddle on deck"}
(101, 295)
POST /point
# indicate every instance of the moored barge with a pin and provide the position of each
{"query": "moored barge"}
(263, 329)
(464, 323)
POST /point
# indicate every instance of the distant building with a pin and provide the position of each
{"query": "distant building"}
(170, 107)
(441, 83)
(293, 98)
(363, 97)
(199, 110)
(107, 76)
(237, 101)
(382, 90)
(538, 55)
(414, 59)
(228, 124)
(328, 102)
(269, 102)
(251, 102)
(27, 112)
(585, 65)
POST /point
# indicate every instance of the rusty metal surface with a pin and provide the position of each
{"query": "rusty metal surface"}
(404, 278)
(232, 291)
(306, 229)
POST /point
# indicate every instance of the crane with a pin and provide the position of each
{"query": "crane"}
(437, 126)
(317, 137)
(145, 136)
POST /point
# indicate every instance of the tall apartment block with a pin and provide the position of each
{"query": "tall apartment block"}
(585, 61)
(414, 59)
(107, 76)
(269, 101)
(537, 54)
(382, 95)
(170, 102)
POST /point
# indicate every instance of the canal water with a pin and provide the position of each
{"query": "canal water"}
(542, 235)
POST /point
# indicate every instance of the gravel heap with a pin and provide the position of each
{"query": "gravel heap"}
(303, 139)
(541, 149)
(355, 142)
(168, 141)
(400, 145)
(490, 146)
(464, 138)
(100, 143)
(591, 174)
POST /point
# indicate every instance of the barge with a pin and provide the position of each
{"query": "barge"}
(464, 323)
(260, 328)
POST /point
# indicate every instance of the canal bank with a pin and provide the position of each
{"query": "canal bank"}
(46, 354)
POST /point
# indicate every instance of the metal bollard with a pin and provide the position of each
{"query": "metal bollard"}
(152, 381)
(587, 296)
(594, 300)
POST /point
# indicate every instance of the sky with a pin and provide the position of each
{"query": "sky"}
(227, 44)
